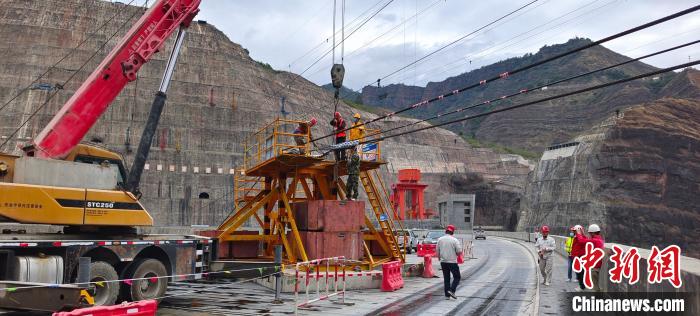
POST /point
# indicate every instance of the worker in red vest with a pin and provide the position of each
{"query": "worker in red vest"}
(338, 124)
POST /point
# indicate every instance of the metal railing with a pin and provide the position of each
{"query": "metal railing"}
(312, 270)
(273, 139)
(278, 138)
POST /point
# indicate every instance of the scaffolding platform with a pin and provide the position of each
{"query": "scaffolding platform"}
(280, 169)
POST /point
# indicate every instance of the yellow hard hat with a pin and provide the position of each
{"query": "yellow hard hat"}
(357, 115)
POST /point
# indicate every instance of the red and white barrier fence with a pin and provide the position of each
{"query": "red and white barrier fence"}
(307, 269)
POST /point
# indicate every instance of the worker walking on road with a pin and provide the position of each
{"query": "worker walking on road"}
(338, 124)
(447, 250)
(545, 247)
(569, 245)
(353, 173)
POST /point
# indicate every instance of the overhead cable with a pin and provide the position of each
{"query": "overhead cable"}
(55, 65)
(70, 78)
(527, 90)
(457, 40)
(559, 96)
(506, 74)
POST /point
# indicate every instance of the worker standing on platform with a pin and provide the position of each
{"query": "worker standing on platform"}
(569, 246)
(302, 133)
(338, 124)
(447, 250)
(545, 247)
(353, 174)
(357, 129)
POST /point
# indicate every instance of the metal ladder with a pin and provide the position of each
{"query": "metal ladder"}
(386, 223)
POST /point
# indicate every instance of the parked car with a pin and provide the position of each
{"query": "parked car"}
(479, 234)
(433, 236)
(409, 238)
(420, 234)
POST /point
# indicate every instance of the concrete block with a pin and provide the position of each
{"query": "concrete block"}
(320, 245)
(329, 216)
(59, 173)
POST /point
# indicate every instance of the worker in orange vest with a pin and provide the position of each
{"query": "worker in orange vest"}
(338, 124)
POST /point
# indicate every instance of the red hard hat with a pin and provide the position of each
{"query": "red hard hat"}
(337, 114)
(312, 122)
(451, 228)
(545, 229)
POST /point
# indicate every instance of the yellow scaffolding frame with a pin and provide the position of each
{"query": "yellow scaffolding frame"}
(279, 171)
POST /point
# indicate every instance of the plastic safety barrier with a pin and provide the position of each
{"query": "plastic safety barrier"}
(142, 308)
(426, 250)
(314, 267)
(428, 271)
(391, 276)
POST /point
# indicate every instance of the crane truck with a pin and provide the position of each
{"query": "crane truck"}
(86, 189)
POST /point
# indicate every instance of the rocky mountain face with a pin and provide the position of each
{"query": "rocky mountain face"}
(636, 173)
(535, 127)
(219, 96)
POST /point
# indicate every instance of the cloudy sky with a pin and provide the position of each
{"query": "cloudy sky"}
(293, 34)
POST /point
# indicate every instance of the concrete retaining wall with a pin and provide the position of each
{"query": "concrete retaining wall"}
(525, 236)
(690, 270)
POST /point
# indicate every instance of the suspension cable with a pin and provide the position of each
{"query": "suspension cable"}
(527, 90)
(351, 33)
(530, 66)
(55, 65)
(70, 78)
(457, 40)
(559, 96)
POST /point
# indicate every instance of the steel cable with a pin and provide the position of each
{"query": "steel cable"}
(530, 66)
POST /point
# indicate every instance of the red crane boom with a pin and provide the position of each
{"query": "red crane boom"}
(89, 102)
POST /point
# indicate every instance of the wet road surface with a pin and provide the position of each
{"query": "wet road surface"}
(500, 281)
(503, 284)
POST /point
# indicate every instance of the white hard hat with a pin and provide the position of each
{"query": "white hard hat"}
(577, 227)
(594, 228)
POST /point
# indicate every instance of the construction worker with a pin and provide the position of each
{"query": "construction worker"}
(353, 174)
(338, 124)
(578, 249)
(598, 242)
(357, 131)
(569, 245)
(545, 247)
(447, 250)
(301, 132)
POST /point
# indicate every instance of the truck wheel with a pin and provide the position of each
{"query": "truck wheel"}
(107, 293)
(152, 287)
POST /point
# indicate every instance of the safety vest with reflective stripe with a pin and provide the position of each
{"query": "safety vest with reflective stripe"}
(569, 243)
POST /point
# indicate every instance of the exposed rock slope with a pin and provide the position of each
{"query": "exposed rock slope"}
(537, 126)
(637, 174)
(218, 97)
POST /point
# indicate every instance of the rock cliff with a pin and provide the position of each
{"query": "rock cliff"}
(638, 174)
(219, 96)
(535, 127)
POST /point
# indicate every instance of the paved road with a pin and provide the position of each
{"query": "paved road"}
(500, 281)
(504, 283)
